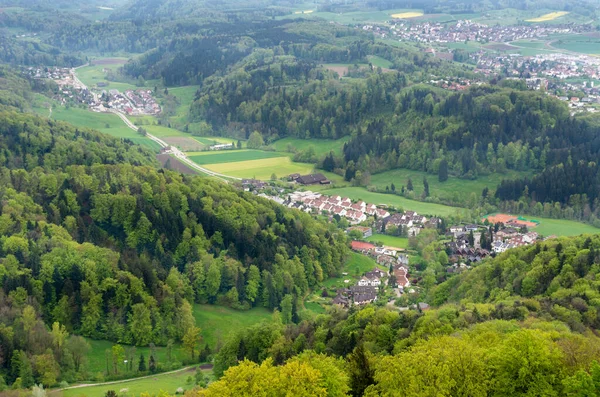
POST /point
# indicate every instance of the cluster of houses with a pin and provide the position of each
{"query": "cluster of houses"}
(368, 286)
(408, 223)
(467, 30)
(133, 103)
(335, 205)
(461, 248)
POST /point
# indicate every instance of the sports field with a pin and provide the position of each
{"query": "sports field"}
(231, 156)
(261, 169)
(548, 17)
(216, 322)
(547, 226)
(168, 383)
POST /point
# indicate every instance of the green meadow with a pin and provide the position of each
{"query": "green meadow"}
(107, 123)
(320, 146)
(134, 387)
(454, 189)
(355, 266)
(390, 241)
(217, 322)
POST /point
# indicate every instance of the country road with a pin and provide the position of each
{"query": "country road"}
(174, 151)
(203, 366)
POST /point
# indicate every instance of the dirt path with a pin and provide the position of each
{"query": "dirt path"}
(114, 382)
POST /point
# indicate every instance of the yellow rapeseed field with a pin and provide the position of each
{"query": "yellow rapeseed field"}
(406, 15)
(548, 17)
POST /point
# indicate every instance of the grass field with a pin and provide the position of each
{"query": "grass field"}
(261, 169)
(93, 74)
(390, 241)
(548, 17)
(454, 189)
(577, 43)
(168, 383)
(232, 156)
(321, 146)
(359, 193)
(217, 322)
(380, 62)
(356, 265)
(104, 122)
(96, 361)
(407, 15)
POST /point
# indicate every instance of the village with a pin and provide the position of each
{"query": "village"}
(71, 90)
(466, 245)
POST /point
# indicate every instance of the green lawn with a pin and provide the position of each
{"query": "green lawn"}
(356, 265)
(390, 241)
(230, 156)
(217, 322)
(359, 193)
(107, 123)
(454, 189)
(321, 146)
(169, 383)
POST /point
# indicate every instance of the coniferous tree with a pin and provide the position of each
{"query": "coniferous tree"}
(142, 364)
(409, 185)
(443, 171)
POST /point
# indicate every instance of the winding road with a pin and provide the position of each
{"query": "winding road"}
(172, 150)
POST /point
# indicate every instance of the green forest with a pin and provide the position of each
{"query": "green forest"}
(112, 266)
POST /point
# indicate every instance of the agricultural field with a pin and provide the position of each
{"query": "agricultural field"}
(407, 15)
(389, 241)
(96, 359)
(359, 193)
(321, 146)
(261, 169)
(217, 322)
(548, 17)
(104, 122)
(454, 189)
(231, 156)
(577, 43)
(166, 382)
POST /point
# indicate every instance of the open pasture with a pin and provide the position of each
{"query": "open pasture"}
(107, 123)
(320, 146)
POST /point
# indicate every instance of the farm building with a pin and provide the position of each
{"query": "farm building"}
(313, 179)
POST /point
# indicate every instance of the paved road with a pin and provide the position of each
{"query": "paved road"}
(176, 152)
(203, 366)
